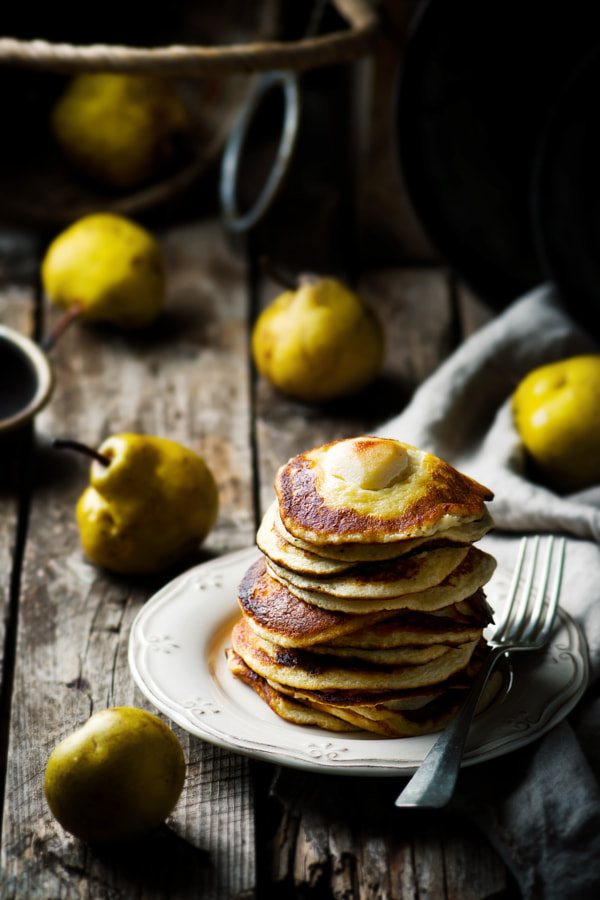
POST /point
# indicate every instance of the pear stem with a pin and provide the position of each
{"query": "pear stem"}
(67, 444)
(63, 323)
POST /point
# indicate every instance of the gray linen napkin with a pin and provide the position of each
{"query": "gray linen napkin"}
(540, 806)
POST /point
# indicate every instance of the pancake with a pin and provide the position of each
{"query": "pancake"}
(447, 625)
(372, 700)
(373, 490)
(399, 577)
(357, 658)
(399, 699)
(402, 713)
(274, 613)
(403, 716)
(286, 707)
(401, 631)
(404, 654)
(467, 533)
(398, 654)
(367, 609)
(303, 669)
(392, 723)
(429, 718)
(473, 572)
(279, 550)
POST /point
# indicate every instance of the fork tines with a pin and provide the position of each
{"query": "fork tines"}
(531, 607)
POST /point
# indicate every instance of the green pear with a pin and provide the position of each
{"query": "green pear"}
(107, 267)
(150, 503)
(556, 410)
(117, 777)
(122, 130)
(318, 342)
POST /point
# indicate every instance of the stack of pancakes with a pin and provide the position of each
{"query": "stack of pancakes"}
(366, 609)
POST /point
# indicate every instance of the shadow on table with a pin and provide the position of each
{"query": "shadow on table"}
(163, 862)
(335, 829)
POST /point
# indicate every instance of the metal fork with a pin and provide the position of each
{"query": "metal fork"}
(526, 624)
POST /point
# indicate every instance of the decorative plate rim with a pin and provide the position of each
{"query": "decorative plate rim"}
(177, 658)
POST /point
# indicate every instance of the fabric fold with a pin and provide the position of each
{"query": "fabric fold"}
(540, 806)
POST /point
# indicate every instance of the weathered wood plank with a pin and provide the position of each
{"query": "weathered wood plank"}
(185, 379)
(188, 379)
(473, 312)
(429, 864)
(466, 871)
(17, 307)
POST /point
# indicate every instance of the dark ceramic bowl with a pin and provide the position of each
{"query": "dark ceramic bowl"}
(26, 379)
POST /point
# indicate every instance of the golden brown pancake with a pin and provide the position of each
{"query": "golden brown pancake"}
(366, 610)
(303, 669)
(276, 614)
(403, 654)
(472, 573)
(408, 629)
(353, 662)
(395, 714)
(394, 723)
(285, 707)
(373, 490)
(399, 577)
(447, 625)
(399, 699)
(430, 718)
(277, 548)
(352, 553)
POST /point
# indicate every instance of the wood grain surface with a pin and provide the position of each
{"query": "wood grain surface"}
(242, 828)
(187, 380)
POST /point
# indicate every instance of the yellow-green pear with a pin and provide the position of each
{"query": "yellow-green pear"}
(556, 410)
(109, 267)
(318, 342)
(117, 777)
(150, 503)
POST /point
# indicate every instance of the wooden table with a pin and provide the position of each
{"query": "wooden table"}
(243, 828)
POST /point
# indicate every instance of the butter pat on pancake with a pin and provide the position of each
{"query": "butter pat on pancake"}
(332, 500)
(379, 466)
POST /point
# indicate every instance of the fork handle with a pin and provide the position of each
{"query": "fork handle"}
(433, 783)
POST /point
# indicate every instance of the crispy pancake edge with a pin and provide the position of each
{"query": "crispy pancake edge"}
(298, 668)
(306, 514)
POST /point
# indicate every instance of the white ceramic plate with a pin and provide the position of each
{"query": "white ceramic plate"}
(177, 657)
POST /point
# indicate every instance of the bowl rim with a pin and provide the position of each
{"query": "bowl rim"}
(43, 374)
